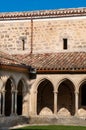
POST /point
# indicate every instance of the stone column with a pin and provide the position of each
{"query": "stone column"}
(12, 103)
(3, 104)
(55, 102)
(76, 103)
(35, 102)
(0, 102)
(15, 102)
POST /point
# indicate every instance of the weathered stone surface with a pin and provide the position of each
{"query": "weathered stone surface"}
(45, 35)
(82, 112)
(64, 112)
(46, 111)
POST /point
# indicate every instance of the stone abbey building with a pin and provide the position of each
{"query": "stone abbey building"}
(54, 43)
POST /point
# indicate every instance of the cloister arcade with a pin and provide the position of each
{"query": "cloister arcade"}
(46, 96)
(12, 97)
(65, 96)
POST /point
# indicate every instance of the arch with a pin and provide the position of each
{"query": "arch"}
(64, 79)
(25, 88)
(81, 82)
(9, 87)
(45, 95)
(13, 86)
(22, 99)
(41, 80)
(66, 96)
(82, 94)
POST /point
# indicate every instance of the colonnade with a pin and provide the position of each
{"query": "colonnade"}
(13, 103)
(9, 97)
(77, 104)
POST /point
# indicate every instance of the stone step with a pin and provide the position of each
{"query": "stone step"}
(58, 121)
(12, 121)
(6, 122)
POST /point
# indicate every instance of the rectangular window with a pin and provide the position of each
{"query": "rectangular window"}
(23, 44)
(65, 43)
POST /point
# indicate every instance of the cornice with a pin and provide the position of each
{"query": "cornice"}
(71, 12)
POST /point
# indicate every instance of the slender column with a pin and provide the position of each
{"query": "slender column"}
(0, 102)
(12, 102)
(35, 102)
(55, 102)
(76, 103)
(3, 105)
(15, 102)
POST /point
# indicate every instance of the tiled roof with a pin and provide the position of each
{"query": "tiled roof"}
(44, 13)
(8, 59)
(49, 61)
(55, 61)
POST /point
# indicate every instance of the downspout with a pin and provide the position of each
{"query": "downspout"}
(31, 35)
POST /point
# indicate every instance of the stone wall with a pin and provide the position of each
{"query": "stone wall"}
(49, 34)
(45, 35)
(11, 35)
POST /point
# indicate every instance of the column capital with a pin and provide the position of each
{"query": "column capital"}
(55, 92)
(76, 92)
(1, 91)
(4, 91)
(14, 91)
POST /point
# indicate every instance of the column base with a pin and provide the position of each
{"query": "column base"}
(76, 115)
(13, 114)
(2, 115)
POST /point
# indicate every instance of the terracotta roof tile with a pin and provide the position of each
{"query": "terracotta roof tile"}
(47, 61)
(8, 59)
(44, 13)
(55, 61)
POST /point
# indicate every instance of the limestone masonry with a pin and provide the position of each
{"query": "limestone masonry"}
(41, 33)
(43, 66)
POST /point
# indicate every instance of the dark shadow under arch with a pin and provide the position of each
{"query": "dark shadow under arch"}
(19, 97)
(45, 96)
(82, 95)
(8, 97)
(66, 96)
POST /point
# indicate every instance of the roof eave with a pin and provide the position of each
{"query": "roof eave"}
(17, 68)
(71, 12)
(79, 71)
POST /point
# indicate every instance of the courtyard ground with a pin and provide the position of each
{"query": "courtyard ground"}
(52, 127)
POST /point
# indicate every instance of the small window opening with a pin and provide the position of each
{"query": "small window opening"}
(23, 44)
(65, 43)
